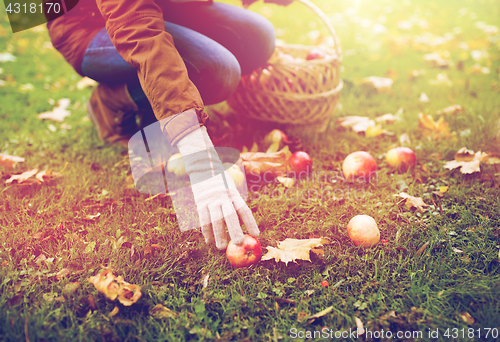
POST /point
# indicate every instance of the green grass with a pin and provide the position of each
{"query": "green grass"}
(390, 286)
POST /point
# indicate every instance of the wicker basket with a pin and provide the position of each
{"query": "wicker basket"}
(293, 90)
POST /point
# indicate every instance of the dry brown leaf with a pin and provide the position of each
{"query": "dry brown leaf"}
(116, 287)
(467, 318)
(114, 312)
(467, 161)
(70, 288)
(23, 177)
(293, 249)
(258, 163)
(421, 250)
(58, 113)
(10, 161)
(62, 273)
(161, 312)
(128, 294)
(322, 313)
(413, 202)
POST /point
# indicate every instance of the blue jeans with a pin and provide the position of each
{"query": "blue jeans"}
(218, 43)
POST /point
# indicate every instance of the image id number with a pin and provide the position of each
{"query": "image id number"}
(50, 7)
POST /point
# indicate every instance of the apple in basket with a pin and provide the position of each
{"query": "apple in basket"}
(316, 54)
(265, 78)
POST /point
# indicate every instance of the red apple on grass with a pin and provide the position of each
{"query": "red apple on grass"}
(359, 164)
(300, 163)
(401, 158)
(363, 231)
(246, 254)
(315, 54)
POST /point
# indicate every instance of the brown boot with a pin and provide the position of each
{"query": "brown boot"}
(113, 112)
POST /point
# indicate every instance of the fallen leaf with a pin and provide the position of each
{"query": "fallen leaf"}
(114, 312)
(359, 326)
(93, 217)
(62, 273)
(437, 60)
(450, 110)
(363, 124)
(467, 318)
(90, 247)
(422, 249)
(467, 161)
(205, 280)
(437, 129)
(322, 313)
(70, 288)
(52, 297)
(413, 202)
(23, 177)
(386, 118)
(286, 181)
(258, 163)
(357, 123)
(301, 316)
(381, 84)
(441, 192)
(116, 287)
(10, 161)
(404, 139)
(491, 159)
(7, 57)
(293, 249)
(128, 294)
(161, 312)
(58, 113)
(424, 98)
(91, 301)
(441, 79)
(85, 82)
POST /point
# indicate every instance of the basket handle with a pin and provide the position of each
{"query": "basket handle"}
(327, 22)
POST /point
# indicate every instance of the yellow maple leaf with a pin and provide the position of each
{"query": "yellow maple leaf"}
(293, 249)
(438, 129)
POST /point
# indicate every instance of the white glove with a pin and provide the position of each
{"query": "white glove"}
(215, 194)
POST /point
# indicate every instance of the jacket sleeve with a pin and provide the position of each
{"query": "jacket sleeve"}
(137, 30)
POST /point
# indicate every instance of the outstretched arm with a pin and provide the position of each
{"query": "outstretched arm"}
(137, 30)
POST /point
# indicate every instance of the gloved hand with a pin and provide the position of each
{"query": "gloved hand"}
(215, 194)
